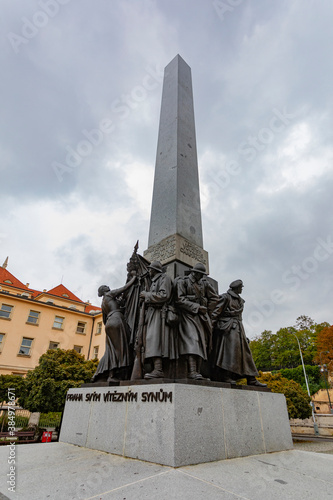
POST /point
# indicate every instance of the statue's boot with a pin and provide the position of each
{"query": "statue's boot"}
(225, 377)
(192, 369)
(199, 362)
(254, 381)
(111, 377)
(228, 380)
(157, 371)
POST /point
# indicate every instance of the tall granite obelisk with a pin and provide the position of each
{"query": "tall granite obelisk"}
(175, 235)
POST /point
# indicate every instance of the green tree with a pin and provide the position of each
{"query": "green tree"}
(298, 401)
(46, 386)
(10, 382)
(307, 332)
(297, 374)
(261, 348)
(303, 322)
(280, 350)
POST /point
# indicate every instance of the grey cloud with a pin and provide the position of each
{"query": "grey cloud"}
(91, 58)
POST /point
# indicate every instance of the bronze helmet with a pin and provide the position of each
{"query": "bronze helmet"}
(156, 265)
(199, 268)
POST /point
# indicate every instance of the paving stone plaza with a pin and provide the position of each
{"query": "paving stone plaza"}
(60, 471)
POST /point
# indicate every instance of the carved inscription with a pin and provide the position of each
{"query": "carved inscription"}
(160, 396)
(74, 397)
(193, 251)
(121, 396)
(164, 250)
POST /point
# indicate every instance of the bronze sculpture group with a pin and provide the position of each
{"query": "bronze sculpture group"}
(159, 328)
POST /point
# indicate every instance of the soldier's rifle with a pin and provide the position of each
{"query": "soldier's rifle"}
(137, 372)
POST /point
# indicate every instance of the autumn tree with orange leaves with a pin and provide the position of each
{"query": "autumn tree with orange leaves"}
(324, 346)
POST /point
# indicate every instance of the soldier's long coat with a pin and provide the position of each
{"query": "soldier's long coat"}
(157, 343)
(231, 350)
(195, 330)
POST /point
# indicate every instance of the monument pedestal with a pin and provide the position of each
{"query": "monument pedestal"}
(176, 424)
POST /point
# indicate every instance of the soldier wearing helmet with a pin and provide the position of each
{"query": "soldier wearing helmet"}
(195, 299)
(160, 343)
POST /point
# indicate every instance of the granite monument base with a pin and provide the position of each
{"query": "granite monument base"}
(176, 424)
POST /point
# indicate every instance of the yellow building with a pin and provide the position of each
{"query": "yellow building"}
(32, 321)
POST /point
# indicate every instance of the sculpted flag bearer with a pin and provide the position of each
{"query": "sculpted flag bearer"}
(160, 343)
(195, 297)
(117, 356)
(231, 354)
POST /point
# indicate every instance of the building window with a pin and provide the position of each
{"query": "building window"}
(5, 311)
(78, 348)
(96, 348)
(8, 281)
(33, 317)
(25, 347)
(99, 328)
(53, 345)
(58, 322)
(81, 327)
(2, 338)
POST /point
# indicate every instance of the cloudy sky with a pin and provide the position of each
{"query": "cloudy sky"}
(81, 85)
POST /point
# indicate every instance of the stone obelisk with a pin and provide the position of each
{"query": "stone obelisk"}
(175, 235)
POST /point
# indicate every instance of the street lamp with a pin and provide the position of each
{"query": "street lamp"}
(323, 369)
(315, 426)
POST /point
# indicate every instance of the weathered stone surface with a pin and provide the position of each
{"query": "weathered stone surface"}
(275, 422)
(176, 198)
(243, 428)
(176, 247)
(176, 424)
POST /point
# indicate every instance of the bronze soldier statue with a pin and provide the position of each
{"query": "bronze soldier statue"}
(117, 357)
(231, 356)
(159, 339)
(195, 298)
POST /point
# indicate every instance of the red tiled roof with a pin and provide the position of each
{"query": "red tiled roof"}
(57, 291)
(92, 308)
(6, 275)
(60, 290)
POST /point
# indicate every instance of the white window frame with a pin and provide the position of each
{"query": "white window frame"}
(25, 346)
(79, 326)
(2, 340)
(58, 322)
(3, 311)
(99, 328)
(53, 342)
(79, 347)
(32, 316)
